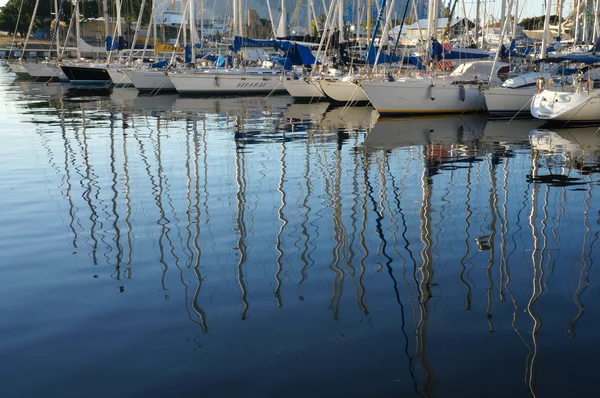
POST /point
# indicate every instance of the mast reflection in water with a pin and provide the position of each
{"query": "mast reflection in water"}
(163, 246)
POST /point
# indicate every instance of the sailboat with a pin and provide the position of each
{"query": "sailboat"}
(48, 70)
(228, 77)
(92, 73)
(458, 92)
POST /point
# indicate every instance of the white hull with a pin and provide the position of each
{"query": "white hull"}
(19, 69)
(509, 101)
(343, 91)
(45, 72)
(580, 106)
(303, 89)
(150, 80)
(225, 83)
(119, 77)
(418, 96)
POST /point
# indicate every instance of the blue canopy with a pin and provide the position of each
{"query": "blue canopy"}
(297, 53)
(586, 59)
(222, 61)
(286, 62)
(239, 42)
(160, 64)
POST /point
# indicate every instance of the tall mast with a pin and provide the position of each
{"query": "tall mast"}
(193, 31)
(109, 46)
(282, 31)
(341, 19)
(137, 29)
(477, 22)
(77, 28)
(584, 33)
(577, 11)
(56, 29)
(502, 18)
(432, 17)
(515, 19)
(368, 17)
(546, 28)
(118, 6)
(240, 18)
(30, 27)
(235, 20)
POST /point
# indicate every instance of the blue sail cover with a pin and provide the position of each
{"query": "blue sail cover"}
(297, 53)
(223, 61)
(160, 64)
(285, 62)
(240, 42)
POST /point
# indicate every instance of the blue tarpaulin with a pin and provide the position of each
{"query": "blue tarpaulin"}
(240, 42)
(223, 61)
(297, 53)
(160, 64)
(285, 62)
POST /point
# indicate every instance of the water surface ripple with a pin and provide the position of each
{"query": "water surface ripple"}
(166, 246)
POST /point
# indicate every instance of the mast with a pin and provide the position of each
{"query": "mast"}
(30, 27)
(546, 29)
(240, 18)
(282, 28)
(56, 29)
(368, 17)
(584, 33)
(341, 19)
(137, 29)
(432, 17)
(110, 41)
(477, 22)
(77, 28)
(193, 31)
(577, 7)
(235, 20)
(502, 19)
(515, 19)
(595, 30)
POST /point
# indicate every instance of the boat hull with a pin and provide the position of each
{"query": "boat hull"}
(303, 90)
(343, 92)
(501, 101)
(19, 69)
(118, 77)
(566, 107)
(154, 81)
(46, 73)
(90, 75)
(210, 84)
(421, 98)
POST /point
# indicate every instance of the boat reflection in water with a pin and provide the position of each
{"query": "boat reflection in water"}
(251, 237)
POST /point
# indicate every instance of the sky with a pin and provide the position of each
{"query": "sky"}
(531, 8)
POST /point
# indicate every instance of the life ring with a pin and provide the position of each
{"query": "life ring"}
(540, 84)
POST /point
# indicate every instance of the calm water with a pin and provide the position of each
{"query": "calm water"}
(175, 247)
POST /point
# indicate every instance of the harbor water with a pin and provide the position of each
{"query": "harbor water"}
(162, 246)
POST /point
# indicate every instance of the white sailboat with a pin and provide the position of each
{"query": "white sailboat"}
(344, 90)
(303, 89)
(227, 81)
(459, 92)
(515, 95)
(583, 105)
